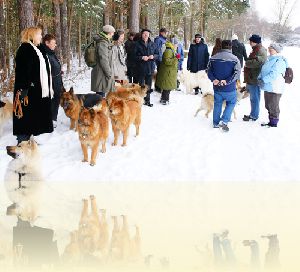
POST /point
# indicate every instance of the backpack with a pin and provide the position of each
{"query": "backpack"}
(90, 54)
(289, 75)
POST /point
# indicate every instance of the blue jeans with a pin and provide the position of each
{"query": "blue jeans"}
(254, 91)
(219, 98)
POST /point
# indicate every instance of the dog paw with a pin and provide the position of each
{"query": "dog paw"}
(113, 144)
(103, 151)
(92, 163)
(84, 160)
(123, 145)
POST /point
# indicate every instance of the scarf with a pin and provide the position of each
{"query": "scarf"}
(46, 87)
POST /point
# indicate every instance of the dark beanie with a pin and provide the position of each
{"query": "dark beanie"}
(255, 38)
(198, 36)
(145, 29)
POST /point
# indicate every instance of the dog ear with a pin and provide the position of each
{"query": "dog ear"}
(31, 141)
(63, 90)
(71, 91)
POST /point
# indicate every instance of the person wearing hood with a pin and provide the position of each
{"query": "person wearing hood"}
(146, 53)
(224, 70)
(119, 57)
(49, 45)
(253, 65)
(102, 77)
(166, 78)
(272, 82)
(198, 57)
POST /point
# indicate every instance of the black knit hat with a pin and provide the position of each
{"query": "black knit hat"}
(255, 38)
(198, 36)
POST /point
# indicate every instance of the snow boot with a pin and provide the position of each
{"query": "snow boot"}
(223, 127)
(248, 118)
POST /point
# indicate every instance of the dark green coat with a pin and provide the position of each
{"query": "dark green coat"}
(166, 78)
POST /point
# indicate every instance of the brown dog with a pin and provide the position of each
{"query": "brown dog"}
(71, 104)
(128, 92)
(122, 114)
(93, 128)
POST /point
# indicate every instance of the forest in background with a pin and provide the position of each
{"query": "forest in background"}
(74, 22)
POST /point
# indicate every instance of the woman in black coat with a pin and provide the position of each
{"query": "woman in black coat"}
(34, 81)
(49, 45)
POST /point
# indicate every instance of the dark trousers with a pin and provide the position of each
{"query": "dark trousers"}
(55, 105)
(165, 95)
(272, 106)
(23, 137)
(146, 80)
(130, 75)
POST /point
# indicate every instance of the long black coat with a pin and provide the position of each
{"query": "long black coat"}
(57, 82)
(198, 57)
(37, 116)
(145, 68)
(239, 50)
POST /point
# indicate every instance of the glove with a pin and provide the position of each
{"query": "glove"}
(178, 56)
(24, 93)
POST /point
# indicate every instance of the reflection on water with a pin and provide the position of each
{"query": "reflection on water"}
(149, 227)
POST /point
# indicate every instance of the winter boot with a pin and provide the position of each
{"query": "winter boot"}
(197, 91)
(248, 118)
(223, 127)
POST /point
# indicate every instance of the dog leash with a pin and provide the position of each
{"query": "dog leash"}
(17, 105)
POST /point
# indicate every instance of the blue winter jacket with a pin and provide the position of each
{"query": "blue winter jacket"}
(159, 41)
(181, 53)
(271, 76)
(224, 66)
(198, 57)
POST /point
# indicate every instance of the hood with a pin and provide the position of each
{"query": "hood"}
(101, 37)
(169, 45)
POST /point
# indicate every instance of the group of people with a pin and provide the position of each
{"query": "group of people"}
(38, 75)
(261, 73)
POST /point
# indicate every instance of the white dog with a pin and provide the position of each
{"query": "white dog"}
(23, 180)
(192, 80)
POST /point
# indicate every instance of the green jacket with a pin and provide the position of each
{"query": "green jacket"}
(166, 78)
(102, 78)
(253, 65)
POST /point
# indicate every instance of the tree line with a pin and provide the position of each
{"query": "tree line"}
(74, 22)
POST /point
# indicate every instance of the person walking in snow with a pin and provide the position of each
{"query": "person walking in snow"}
(224, 70)
(272, 82)
(102, 77)
(253, 65)
(198, 57)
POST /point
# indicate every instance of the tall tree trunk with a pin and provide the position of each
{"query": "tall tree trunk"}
(134, 15)
(106, 13)
(79, 37)
(2, 37)
(161, 15)
(70, 15)
(39, 11)
(185, 33)
(121, 18)
(56, 23)
(64, 29)
(25, 10)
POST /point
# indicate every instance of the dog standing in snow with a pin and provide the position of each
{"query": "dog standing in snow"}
(23, 180)
(193, 80)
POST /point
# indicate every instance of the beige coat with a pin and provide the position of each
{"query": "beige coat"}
(119, 62)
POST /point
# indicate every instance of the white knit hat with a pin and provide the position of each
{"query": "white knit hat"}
(234, 37)
(108, 29)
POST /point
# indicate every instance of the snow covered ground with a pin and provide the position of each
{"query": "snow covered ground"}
(175, 146)
(180, 180)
